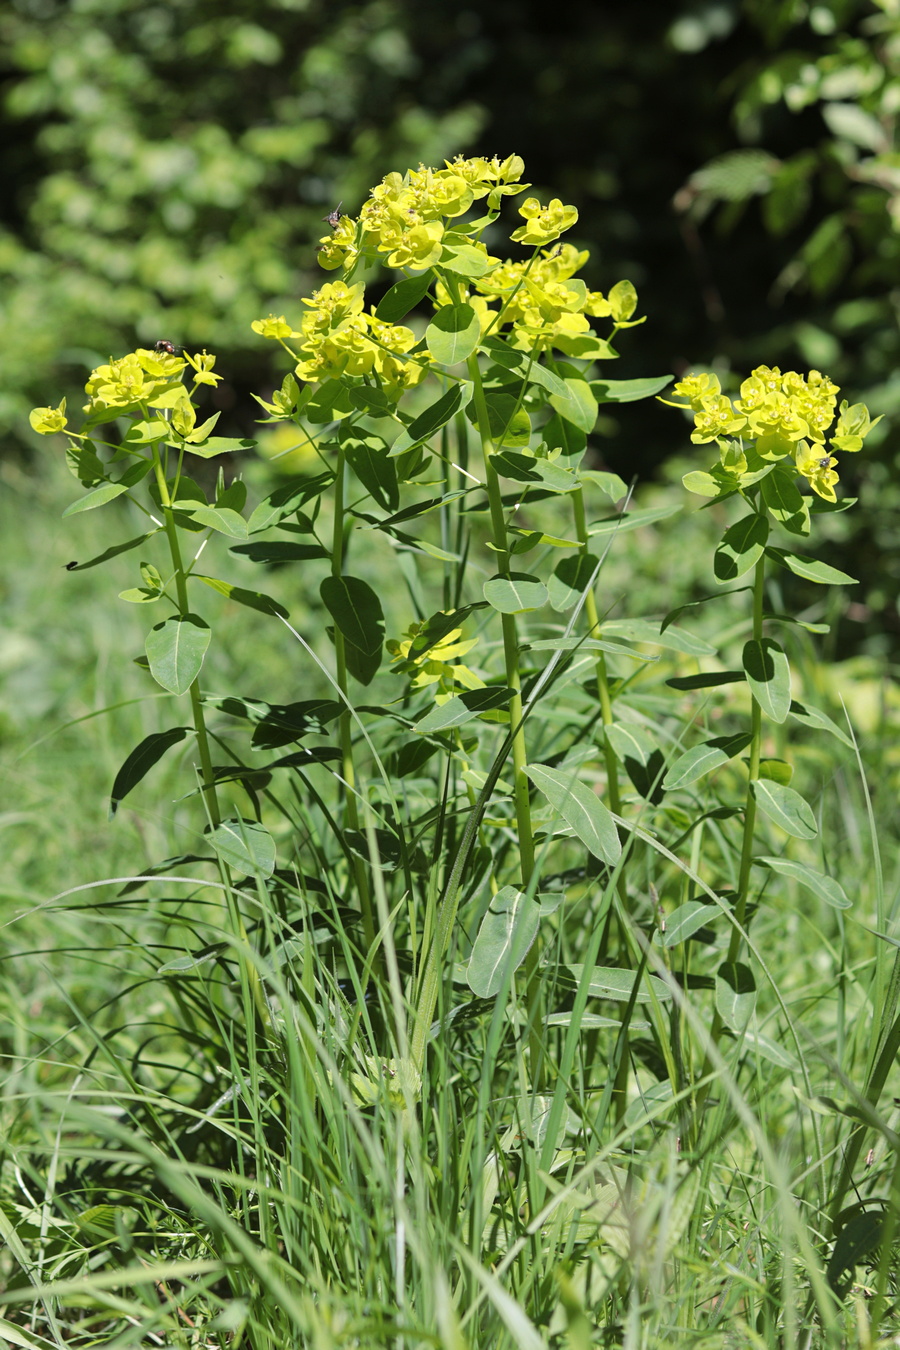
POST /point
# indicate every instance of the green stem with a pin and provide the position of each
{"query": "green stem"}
(345, 723)
(206, 767)
(743, 887)
(254, 997)
(521, 789)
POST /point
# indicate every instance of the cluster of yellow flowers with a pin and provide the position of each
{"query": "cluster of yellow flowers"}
(336, 337)
(404, 215)
(783, 414)
(411, 221)
(142, 379)
(546, 303)
(440, 663)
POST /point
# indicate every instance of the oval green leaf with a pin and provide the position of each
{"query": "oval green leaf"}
(741, 547)
(615, 983)
(578, 405)
(688, 919)
(516, 594)
(245, 846)
(785, 808)
(735, 994)
(769, 677)
(581, 809)
(703, 759)
(507, 931)
(810, 569)
(453, 334)
(175, 651)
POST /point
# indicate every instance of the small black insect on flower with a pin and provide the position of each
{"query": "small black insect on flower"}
(163, 345)
(334, 217)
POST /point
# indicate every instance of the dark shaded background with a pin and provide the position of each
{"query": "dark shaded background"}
(168, 167)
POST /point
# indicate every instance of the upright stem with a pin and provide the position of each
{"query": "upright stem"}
(743, 887)
(206, 767)
(345, 725)
(521, 789)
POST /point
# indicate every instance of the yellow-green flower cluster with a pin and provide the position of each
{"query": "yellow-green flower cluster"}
(783, 415)
(546, 304)
(336, 337)
(139, 380)
(404, 217)
(439, 664)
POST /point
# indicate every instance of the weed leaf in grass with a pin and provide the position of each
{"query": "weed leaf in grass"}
(141, 761)
(769, 677)
(688, 919)
(826, 888)
(175, 651)
(612, 982)
(735, 994)
(786, 808)
(358, 616)
(703, 759)
(507, 931)
(245, 846)
(369, 458)
(581, 809)
(110, 553)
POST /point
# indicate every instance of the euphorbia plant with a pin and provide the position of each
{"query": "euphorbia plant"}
(778, 446)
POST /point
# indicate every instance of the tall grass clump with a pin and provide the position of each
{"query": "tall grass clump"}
(511, 984)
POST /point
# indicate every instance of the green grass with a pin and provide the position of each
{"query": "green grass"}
(213, 1135)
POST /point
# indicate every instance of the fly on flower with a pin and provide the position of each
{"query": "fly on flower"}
(163, 345)
(334, 217)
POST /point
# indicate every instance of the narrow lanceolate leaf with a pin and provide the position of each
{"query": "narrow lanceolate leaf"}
(628, 391)
(785, 808)
(735, 994)
(661, 634)
(453, 334)
(688, 919)
(814, 717)
(769, 677)
(810, 569)
(220, 445)
(252, 599)
(741, 547)
(507, 931)
(110, 553)
(429, 421)
(401, 298)
(612, 982)
(463, 708)
(175, 651)
(826, 888)
(99, 497)
(631, 742)
(358, 616)
(703, 759)
(245, 846)
(141, 761)
(581, 809)
(280, 551)
(515, 594)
